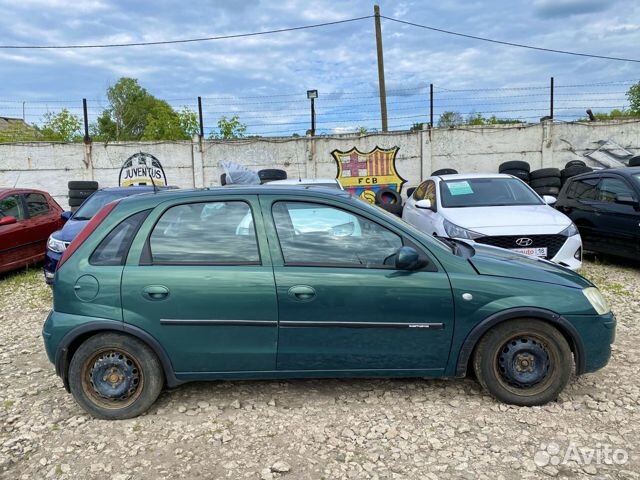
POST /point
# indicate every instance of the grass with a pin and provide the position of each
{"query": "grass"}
(7, 404)
(29, 284)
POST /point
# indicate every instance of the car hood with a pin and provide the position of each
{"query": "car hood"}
(499, 262)
(70, 230)
(511, 220)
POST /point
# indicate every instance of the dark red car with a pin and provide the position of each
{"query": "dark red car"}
(27, 218)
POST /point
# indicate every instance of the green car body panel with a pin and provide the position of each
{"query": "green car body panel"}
(258, 321)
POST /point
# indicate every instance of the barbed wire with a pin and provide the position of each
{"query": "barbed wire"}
(288, 113)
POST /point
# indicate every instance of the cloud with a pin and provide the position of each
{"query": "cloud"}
(566, 8)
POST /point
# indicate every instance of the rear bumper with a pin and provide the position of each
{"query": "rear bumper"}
(597, 332)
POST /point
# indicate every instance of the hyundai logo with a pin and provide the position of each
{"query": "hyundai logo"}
(524, 242)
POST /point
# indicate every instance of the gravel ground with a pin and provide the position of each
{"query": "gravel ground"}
(314, 429)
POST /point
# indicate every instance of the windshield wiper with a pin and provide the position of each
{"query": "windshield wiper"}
(81, 218)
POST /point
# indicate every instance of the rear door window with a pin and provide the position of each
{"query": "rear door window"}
(12, 207)
(208, 233)
(36, 204)
(586, 189)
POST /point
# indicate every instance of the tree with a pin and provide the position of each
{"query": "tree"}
(450, 119)
(362, 130)
(633, 95)
(479, 119)
(135, 114)
(416, 127)
(61, 127)
(18, 132)
(229, 128)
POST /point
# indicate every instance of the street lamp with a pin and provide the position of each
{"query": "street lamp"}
(312, 95)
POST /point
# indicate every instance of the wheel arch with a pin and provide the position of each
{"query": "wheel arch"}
(562, 324)
(73, 339)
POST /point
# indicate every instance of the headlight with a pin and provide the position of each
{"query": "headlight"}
(454, 231)
(570, 231)
(597, 301)
(56, 245)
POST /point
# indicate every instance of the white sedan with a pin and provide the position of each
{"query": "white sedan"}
(494, 209)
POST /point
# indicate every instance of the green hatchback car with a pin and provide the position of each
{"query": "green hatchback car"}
(290, 282)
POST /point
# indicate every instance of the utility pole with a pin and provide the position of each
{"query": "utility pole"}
(551, 99)
(381, 87)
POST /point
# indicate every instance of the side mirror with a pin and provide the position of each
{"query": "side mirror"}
(626, 200)
(8, 220)
(424, 204)
(66, 215)
(407, 258)
(549, 200)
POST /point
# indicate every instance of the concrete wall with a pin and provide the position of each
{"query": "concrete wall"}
(49, 166)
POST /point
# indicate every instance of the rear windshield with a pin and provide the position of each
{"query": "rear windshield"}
(98, 200)
(486, 192)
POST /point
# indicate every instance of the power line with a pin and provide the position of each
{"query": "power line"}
(187, 40)
(511, 44)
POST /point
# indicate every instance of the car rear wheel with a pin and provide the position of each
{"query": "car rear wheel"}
(115, 376)
(523, 362)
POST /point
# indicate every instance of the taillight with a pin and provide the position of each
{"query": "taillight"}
(86, 231)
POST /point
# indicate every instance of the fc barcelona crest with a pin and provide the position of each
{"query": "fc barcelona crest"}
(363, 174)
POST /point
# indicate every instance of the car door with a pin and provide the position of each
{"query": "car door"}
(423, 219)
(617, 223)
(39, 223)
(202, 285)
(579, 204)
(14, 238)
(342, 304)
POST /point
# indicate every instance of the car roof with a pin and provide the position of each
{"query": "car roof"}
(18, 190)
(240, 190)
(138, 188)
(621, 171)
(302, 181)
(469, 176)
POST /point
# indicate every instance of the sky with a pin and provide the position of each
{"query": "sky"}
(264, 79)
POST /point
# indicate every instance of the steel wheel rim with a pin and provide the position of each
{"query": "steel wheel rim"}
(112, 378)
(524, 364)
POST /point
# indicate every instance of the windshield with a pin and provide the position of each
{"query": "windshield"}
(486, 192)
(98, 200)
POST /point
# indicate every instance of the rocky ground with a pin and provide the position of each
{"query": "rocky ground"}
(315, 429)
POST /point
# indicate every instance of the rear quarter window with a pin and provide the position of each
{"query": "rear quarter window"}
(113, 249)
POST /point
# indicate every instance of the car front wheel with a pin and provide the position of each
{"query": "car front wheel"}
(523, 362)
(115, 376)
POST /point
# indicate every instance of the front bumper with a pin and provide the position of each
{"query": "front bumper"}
(567, 254)
(51, 260)
(597, 333)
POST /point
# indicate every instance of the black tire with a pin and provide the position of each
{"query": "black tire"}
(395, 208)
(82, 194)
(521, 174)
(387, 196)
(575, 163)
(223, 179)
(122, 356)
(82, 185)
(269, 174)
(514, 165)
(545, 172)
(634, 161)
(546, 182)
(75, 202)
(553, 191)
(444, 171)
(573, 171)
(530, 344)
(410, 191)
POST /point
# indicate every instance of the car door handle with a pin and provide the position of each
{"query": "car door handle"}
(155, 292)
(303, 293)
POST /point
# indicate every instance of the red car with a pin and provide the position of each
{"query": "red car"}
(27, 218)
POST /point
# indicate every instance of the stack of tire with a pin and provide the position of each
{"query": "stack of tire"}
(517, 168)
(573, 168)
(389, 200)
(267, 175)
(546, 181)
(79, 191)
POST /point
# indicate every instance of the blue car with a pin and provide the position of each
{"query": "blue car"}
(59, 241)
